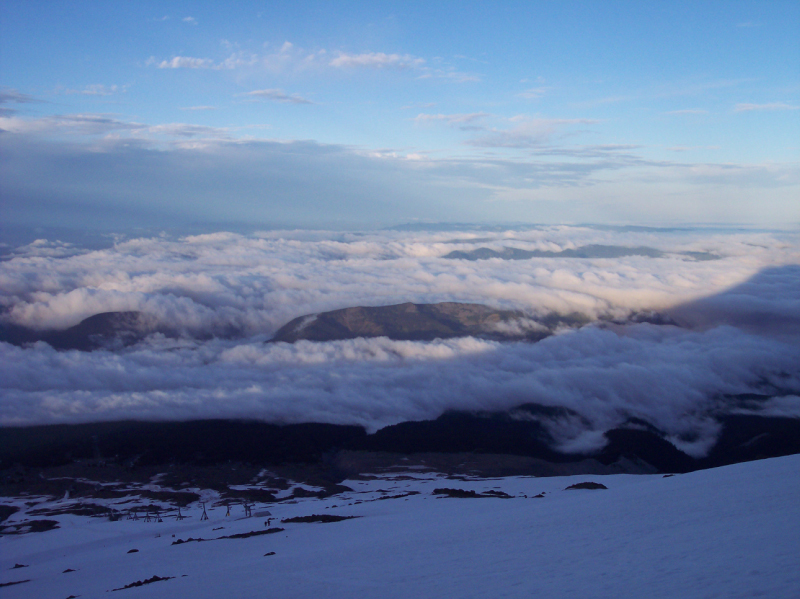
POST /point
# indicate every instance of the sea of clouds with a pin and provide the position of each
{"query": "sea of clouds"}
(739, 315)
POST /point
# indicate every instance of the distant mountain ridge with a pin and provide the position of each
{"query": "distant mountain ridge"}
(408, 321)
(109, 330)
(586, 251)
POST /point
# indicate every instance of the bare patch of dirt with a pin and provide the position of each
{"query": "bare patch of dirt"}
(255, 533)
(141, 583)
(586, 485)
(6, 511)
(189, 540)
(318, 518)
(464, 494)
(26, 527)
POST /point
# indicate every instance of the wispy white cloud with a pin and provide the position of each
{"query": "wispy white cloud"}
(235, 60)
(526, 132)
(97, 90)
(277, 95)
(771, 106)
(182, 62)
(533, 93)
(199, 108)
(419, 105)
(91, 125)
(190, 20)
(10, 95)
(451, 119)
(688, 111)
(690, 148)
(376, 60)
(449, 75)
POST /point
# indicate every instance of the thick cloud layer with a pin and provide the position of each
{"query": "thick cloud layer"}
(741, 315)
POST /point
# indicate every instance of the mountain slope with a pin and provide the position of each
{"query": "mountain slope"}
(414, 322)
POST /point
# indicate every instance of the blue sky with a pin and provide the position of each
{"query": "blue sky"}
(356, 114)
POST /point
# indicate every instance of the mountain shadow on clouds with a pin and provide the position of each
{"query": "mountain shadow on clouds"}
(768, 302)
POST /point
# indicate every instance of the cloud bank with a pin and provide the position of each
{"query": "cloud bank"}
(740, 317)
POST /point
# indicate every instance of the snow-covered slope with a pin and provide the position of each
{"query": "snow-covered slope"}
(726, 532)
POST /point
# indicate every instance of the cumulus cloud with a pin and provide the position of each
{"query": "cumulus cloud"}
(278, 95)
(740, 318)
(674, 379)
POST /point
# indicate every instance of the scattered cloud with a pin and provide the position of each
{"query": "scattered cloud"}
(768, 107)
(291, 58)
(277, 95)
(199, 108)
(190, 20)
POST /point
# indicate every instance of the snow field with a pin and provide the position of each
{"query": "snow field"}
(727, 532)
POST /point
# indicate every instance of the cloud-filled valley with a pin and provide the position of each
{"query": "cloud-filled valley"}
(735, 324)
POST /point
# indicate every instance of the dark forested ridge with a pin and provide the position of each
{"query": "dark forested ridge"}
(205, 442)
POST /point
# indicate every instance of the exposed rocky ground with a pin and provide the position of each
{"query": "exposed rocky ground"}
(140, 466)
